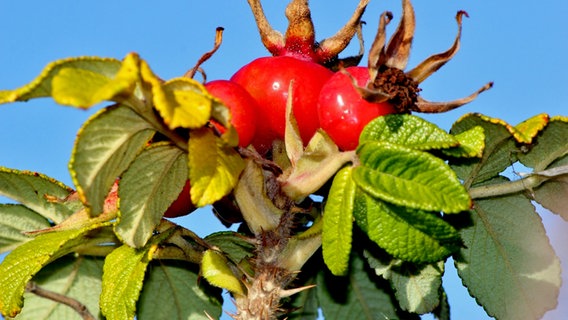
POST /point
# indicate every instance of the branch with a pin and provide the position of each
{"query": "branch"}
(54, 296)
(529, 182)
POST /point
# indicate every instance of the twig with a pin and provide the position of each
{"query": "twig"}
(32, 287)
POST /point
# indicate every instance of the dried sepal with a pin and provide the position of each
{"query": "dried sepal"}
(435, 62)
(438, 107)
(398, 49)
(377, 55)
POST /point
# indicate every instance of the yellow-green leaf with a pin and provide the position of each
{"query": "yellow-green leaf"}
(81, 82)
(25, 261)
(123, 277)
(214, 167)
(214, 268)
(472, 144)
(182, 102)
(527, 130)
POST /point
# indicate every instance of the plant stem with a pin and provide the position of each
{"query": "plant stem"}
(501, 189)
(32, 287)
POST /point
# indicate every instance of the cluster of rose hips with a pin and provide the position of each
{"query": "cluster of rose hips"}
(327, 93)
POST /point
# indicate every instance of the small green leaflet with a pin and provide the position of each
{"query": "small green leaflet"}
(408, 130)
(215, 268)
(214, 167)
(105, 147)
(26, 260)
(123, 276)
(338, 222)
(472, 144)
(410, 178)
(147, 189)
(405, 233)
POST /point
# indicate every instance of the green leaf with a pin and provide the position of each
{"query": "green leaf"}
(214, 167)
(81, 82)
(232, 244)
(551, 145)
(14, 221)
(407, 234)
(123, 277)
(26, 260)
(33, 190)
(358, 296)
(338, 222)
(215, 268)
(416, 287)
(507, 262)
(106, 145)
(472, 144)
(78, 278)
(147, 189)
(500, 149)
(407, 130)
(411, 178)
(551, 194)
(173, 291)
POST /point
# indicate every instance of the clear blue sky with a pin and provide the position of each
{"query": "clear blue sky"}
(520, 45)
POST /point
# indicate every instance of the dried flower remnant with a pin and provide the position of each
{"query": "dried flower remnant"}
(387, 62)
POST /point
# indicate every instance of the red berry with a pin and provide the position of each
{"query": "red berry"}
(182, 205)
(343, 113)
(268, 79)
(242, 106)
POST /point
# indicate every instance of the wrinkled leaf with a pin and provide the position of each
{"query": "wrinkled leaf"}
(507, 262)
(214, 167)
(14, 220)
(147, 189)
(81, 82)
(338, 222)
(78, 278)
(215, 269)
(26, 260)
(106, 145)
(33, 190)
(173, 291)
(411, 178)
(407, 130)
(472, 144)
(407, 234)
(123, 276)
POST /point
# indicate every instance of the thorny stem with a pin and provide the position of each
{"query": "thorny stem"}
(81, 309)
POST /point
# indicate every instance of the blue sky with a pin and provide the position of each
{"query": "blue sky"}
(522, 46)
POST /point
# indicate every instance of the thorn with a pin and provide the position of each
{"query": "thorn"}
(291, 292)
